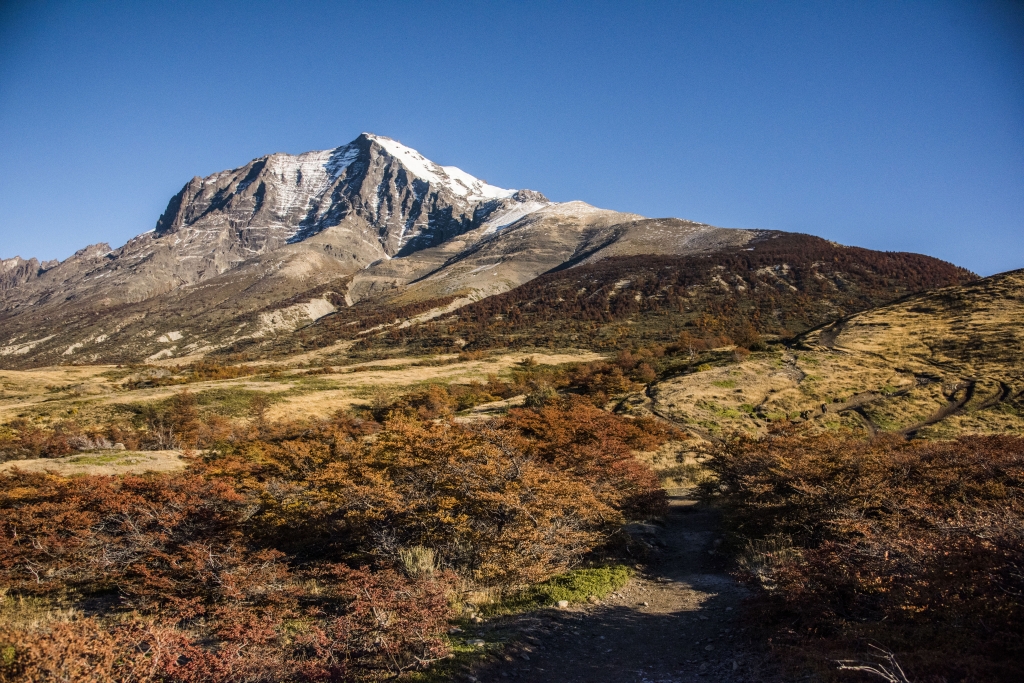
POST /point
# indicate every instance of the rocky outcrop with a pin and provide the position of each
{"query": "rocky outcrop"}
(17, 271)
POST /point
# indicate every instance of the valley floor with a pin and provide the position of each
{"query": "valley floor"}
(84, 392)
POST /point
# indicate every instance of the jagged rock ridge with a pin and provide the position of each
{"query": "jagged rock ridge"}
(17, 271)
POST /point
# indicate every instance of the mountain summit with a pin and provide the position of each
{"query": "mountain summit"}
(397, 198)
(373, 198)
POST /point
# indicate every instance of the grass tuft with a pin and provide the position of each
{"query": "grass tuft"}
(575, 586)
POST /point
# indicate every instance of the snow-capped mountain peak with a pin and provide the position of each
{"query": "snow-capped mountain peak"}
(368, 200)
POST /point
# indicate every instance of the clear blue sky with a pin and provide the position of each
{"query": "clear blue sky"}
(889, 125)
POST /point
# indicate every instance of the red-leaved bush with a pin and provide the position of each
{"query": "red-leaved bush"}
(278, 555)
(170, 561)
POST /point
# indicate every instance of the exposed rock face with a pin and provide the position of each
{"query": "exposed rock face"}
(509, 249)
(16, 271)
(370, 199)
(403, 201)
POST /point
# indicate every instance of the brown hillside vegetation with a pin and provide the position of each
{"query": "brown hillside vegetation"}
(916, 547)
(317, 550)
(780, 284)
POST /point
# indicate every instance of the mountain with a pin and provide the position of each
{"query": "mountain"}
(369, 200)
(245, 256)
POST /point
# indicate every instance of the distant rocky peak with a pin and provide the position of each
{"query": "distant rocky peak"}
(17, 271)
(7, 264)
(93, 251)
(290, 197)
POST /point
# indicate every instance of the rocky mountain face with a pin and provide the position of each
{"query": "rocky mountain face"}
(401, 201)
(368, 200)
(267, 248)
(17, 271)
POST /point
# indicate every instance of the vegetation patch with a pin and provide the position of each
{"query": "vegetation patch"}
(913, 546)
(322, 549)
(573, 587)
(102, 458)
(233, 401)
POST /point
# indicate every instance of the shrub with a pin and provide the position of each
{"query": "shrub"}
(309, 550)
(918, 546)
(177, 550)
(479, 503)
(596, 446)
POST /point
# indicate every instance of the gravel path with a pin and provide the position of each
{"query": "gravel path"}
(677, 620)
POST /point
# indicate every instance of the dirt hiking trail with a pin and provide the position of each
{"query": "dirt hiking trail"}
(677, 620)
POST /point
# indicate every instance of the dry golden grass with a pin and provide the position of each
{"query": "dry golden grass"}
(102, 462)
(396, 376)
(84, 392)
(22, 390)
(893, 368)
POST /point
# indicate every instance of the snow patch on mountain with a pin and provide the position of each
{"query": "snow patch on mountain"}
(303, 178)
(452, 177)
(340, 159)
(503, 219)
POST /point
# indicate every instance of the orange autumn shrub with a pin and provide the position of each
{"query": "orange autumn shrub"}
(353, 625)
(278, 554)
(471, 495)
(80, 650)
(190, 592)
(22, 438)
(576, 437)
(915, 546)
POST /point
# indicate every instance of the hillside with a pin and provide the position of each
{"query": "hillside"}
(939, 364)
(778, 284)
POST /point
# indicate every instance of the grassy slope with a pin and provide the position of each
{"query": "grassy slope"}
(891, 368)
